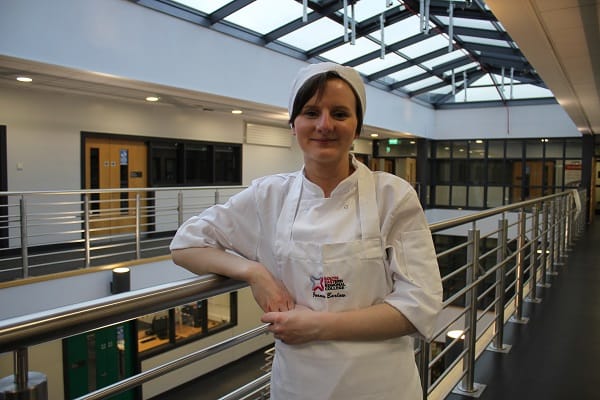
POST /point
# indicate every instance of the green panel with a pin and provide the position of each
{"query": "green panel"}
(111, 350)
(107, 357)
(77, 366)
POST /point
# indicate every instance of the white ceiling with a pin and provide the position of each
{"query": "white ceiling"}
(561, 39)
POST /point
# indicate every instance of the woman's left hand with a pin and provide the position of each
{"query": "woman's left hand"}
(296, 326)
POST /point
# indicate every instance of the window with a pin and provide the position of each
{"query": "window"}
(194, 163)
(163, 330)
(476, 173)
(163, 164)
(198, 164)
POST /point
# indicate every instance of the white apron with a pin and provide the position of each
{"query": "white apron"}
(339, 277)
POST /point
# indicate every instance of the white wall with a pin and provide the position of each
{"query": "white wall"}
(44, 130)
(504, 123)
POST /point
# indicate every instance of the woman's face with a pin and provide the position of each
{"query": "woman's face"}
(326, 126)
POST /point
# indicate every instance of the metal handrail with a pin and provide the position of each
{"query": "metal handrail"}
(47, 222)
(44, 326)
(559, 222)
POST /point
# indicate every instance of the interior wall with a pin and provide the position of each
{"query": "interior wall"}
(537, 121)
(44, 129)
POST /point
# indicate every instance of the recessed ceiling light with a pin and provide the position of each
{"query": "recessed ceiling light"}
(152, 98)
(24, 79)
(374, 134)
(237, 112)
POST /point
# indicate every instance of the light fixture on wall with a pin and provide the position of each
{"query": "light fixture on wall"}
(152, 99)
(121, 280)
(237, 112)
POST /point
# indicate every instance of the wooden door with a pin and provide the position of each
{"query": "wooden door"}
(537, 180)
(113, 163)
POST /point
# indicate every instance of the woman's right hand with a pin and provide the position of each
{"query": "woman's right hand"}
(269, 292)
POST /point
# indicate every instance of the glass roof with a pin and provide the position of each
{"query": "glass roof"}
(403, 46)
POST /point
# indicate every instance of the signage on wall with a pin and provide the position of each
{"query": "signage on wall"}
(572, 172)
(123, 157)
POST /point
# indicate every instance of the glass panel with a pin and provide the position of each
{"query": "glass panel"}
(188, 320)
(378, 64)
(494, 198)
(206, 6)
(477, 173)
(400, 30)
(305, 39)
(227, 165)
(422, 83)
(514, 149)
(279, 12)
(425, 46)
(476, 149)
(459, 149)
(476, 196)
(478, 94)
(572, 173)
(554, 148)
(480, 40)
(467, 23)
(198, 165)
(406, 73)
(153, 330)
(497, 173)
(573, 148)
(219, 311)
(534, 149)
(459, 196)
(395, 148)
(460, 171)
(559, 173)
(442, 195)
(442, 171)
(444, 59)
(496, 149)
(523, 91)
(348, 51)
(442, 150)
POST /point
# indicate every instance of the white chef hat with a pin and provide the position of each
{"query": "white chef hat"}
(349, 74)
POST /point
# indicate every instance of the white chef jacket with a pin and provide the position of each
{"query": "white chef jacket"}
(247, 224)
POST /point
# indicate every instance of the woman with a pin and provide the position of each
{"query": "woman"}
(340, 258)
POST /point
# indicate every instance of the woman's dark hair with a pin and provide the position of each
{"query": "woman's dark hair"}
(316, 85)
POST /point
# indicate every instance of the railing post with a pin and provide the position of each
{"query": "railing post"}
(467, 386)
(24, 240)
(570, 219)
(533, 258)
(545, 281)
(23, 384)
(138, 219)
(564, 226)
(497, 344)
(424, 366)
(86, 229)
(553, 246)
(518, 316)
(179, 208)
